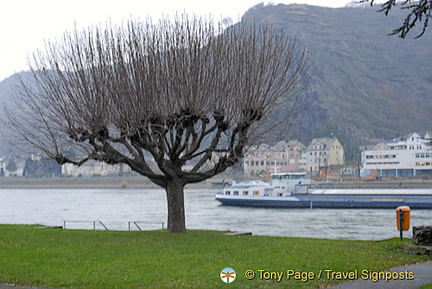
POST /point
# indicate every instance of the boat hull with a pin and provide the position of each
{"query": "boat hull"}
(340, 200)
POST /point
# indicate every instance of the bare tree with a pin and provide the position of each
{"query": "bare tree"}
(179, 94)
(417, 11)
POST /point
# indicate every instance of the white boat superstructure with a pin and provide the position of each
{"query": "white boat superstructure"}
(288, 184)
(248, 188)
(283, 184)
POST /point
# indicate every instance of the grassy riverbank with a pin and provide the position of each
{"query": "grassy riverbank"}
(156, 259)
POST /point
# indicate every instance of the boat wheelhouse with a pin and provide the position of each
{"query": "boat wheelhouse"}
(288, 184)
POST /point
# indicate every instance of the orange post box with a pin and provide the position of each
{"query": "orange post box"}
(403, 218)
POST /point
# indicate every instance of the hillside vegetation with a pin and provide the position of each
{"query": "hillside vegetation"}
(364, 84)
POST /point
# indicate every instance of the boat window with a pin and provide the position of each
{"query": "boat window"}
(288, 177)
(256, 193)
(227, 193)
(296, 177)
(235, 193)
(279, 194)
(245, 193)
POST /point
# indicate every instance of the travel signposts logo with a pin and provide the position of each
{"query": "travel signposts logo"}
(228, 275)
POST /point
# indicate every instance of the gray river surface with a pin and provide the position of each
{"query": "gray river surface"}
(115, 208)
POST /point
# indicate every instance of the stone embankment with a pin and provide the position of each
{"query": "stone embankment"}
(139, 182)
(384, 184)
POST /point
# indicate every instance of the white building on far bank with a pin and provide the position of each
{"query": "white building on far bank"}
(409, 157)
(281, 157)
(94, 168)
(2, 168)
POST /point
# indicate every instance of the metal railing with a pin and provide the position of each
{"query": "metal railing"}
(130, 224)
(142, 222)
(94, 224)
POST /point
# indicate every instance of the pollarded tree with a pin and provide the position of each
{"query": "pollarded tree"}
(417, 11)
(178, 101)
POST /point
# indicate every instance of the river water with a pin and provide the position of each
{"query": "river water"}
(115, 208)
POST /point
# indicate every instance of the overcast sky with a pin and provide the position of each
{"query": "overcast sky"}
(25, 24)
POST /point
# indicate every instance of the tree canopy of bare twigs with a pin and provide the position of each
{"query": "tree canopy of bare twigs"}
(178, 101)
(417, 11)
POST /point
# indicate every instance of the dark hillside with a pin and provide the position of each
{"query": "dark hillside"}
(6, 99)
(366, 84)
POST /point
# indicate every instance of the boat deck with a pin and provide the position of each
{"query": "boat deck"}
(392, 192)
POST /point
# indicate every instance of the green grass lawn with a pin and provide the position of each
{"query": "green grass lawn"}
(157, 259)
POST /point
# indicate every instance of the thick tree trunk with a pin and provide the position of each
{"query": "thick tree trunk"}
(176, 211)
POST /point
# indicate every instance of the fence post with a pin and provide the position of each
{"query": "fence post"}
(103, 225)
(137, 226)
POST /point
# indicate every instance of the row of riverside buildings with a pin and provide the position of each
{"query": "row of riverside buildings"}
(324, 157)
(403, 157)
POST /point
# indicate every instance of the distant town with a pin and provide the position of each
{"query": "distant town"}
(408, 156)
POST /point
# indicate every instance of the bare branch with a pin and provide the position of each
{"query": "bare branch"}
(417, 11)
(175, 93)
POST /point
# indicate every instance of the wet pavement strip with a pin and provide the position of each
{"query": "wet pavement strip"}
(421, 273)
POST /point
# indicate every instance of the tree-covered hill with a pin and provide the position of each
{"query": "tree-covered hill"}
(365, 83)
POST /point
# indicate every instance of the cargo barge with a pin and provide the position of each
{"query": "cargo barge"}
(295, 190)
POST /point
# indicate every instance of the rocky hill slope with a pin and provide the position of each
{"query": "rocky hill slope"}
(365, 83)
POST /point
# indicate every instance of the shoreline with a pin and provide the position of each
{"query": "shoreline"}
(140, 182)
(136, 182)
